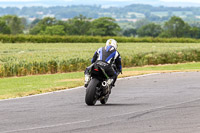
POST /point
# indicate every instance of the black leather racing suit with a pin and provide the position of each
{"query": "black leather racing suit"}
(111, 56)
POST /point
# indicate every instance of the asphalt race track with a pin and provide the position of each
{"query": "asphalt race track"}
(159, 103)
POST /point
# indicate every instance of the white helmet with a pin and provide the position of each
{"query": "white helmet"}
(111, 42)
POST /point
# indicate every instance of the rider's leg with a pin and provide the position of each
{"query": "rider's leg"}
(87, 75)
(113, 76)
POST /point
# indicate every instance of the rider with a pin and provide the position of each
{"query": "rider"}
(110, 55)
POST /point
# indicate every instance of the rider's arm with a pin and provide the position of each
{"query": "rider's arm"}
(94, 57)
(118, 63)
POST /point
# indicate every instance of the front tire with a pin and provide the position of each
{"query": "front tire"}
(90, 97)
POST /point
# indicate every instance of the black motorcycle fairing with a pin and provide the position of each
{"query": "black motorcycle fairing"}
(99, 87)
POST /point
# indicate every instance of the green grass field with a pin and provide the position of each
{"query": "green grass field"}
(30, 85)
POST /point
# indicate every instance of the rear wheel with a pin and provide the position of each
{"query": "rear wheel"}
(90, 97)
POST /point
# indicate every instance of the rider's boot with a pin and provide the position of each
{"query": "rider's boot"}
(87, 80)
(110, 81)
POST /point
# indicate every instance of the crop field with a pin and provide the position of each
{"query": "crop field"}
(49, 58)
(21, 59)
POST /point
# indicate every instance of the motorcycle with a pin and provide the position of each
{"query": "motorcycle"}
(99, 86)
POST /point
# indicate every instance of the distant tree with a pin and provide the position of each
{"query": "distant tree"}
(195, 24)
(79, 25)
(54, 30)
(24, 22)
(42, 24)
(176, 27)
(104, 26)
(151, 30)
(47, 21)
(14, 23)
(130, 32)
(34, 22)
(34, 28)
(141, 23)
(25, 25)
(37, 29)
(4, 29)
(195, 32)
(60, 22)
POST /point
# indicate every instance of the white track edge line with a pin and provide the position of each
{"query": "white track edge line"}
(50, 126)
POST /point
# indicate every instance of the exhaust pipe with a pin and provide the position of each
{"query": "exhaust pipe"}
(104, 84)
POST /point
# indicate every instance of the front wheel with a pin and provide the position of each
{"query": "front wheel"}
(90, 97)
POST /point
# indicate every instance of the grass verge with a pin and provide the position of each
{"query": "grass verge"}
(30, 85)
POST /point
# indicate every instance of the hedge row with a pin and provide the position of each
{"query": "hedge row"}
(57, 66)
(87, 39)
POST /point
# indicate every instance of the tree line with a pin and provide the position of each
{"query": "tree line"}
(103, 26)
(175, 27)
(80, 25)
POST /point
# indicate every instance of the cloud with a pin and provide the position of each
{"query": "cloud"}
(188, 1)
(32, 0)
(19, 0)
(118, 0)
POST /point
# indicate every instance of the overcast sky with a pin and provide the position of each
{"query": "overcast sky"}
(194, 1)
(190, 1)
(20, 3)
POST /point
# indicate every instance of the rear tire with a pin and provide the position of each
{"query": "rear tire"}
(90, 97)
